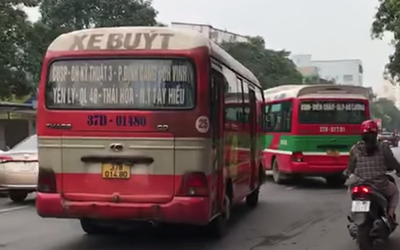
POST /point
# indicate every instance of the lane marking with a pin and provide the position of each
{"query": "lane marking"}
(5, 210)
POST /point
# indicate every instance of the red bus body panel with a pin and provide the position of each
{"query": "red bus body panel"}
(154, 193)
(84, 193)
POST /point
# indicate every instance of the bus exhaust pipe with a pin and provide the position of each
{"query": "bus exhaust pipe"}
(153, 223)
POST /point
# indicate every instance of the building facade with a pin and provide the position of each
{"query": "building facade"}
(309, 73)
(349, 71)
(216, 35)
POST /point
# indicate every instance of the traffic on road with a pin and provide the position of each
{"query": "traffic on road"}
(303, 214)
(120, 130)
(157, 138)
(168, 160)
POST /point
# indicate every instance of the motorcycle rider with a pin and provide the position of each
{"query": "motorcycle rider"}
(371, 159)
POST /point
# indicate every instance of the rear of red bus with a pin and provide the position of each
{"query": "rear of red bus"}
(324, 130)
(124, 135)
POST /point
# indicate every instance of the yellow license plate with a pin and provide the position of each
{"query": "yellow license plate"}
(115, 171)
(333, 153)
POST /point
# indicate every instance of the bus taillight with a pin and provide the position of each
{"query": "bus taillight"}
(297, 156)
(46, 181)
(194, 184)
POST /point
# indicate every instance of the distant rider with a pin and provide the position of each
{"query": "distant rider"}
(371, 159)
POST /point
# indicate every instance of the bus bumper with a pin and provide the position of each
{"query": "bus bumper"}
(185, 210)
(314, 169)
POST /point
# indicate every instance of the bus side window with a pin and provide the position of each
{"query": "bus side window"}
(246, 102)
(279, 117)
(260, 110)
(276, 117)
(233, 98)
(217, 80)
(231, 114)
(286, 117)
(267, 122)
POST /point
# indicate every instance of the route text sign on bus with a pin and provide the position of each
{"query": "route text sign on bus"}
(121, 83)
(332, 106)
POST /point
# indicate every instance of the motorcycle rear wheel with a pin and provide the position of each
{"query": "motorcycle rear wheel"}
(364, 240)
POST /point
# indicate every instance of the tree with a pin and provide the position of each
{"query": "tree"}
(13, 28)
(387, 19)
(39, 36)
(81, 14)
(272, 68)
(60, 16)
(387, 111)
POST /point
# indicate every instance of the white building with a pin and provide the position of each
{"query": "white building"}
(349, 72)
(217, 35)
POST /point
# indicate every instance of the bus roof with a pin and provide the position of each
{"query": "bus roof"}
(316, 91)
(145, 38)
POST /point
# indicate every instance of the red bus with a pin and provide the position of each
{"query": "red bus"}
(132, 127)
(311, 128)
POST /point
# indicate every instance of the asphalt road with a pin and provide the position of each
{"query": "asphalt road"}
(302, 216)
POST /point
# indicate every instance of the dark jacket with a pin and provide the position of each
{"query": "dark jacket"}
(372, 169)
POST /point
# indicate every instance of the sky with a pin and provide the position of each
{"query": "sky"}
(326, 29)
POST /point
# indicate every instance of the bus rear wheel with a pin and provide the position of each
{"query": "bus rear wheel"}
(277, 175)
(252, 198)
(18, 196)
(217, 228)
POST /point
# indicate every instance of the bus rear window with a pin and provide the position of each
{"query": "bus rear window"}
(332, 112)
(121, 84)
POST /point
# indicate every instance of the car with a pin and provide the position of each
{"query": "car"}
(390, 138)
(19, 169)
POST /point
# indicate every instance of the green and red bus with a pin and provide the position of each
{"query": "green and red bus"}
(142, 124)
(310, 129)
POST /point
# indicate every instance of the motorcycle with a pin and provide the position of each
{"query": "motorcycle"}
(369, 222)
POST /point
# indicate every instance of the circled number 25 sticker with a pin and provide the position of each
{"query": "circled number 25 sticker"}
(202, 124)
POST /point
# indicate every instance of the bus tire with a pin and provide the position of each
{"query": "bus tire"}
(217, 228)
(262, 175)
(253, 198)
(17, 196)
(277, 175)
(91, 228)
(335, 181)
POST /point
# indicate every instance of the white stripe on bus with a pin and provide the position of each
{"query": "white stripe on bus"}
(274, 151)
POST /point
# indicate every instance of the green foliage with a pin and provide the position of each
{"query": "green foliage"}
(59, 16)
(13, 57)
(272, 68)
(386, 110)
(387, 19)
(23, 44)
(81, 14)
(39, 37)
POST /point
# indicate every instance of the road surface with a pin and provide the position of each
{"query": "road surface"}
(303, 216)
